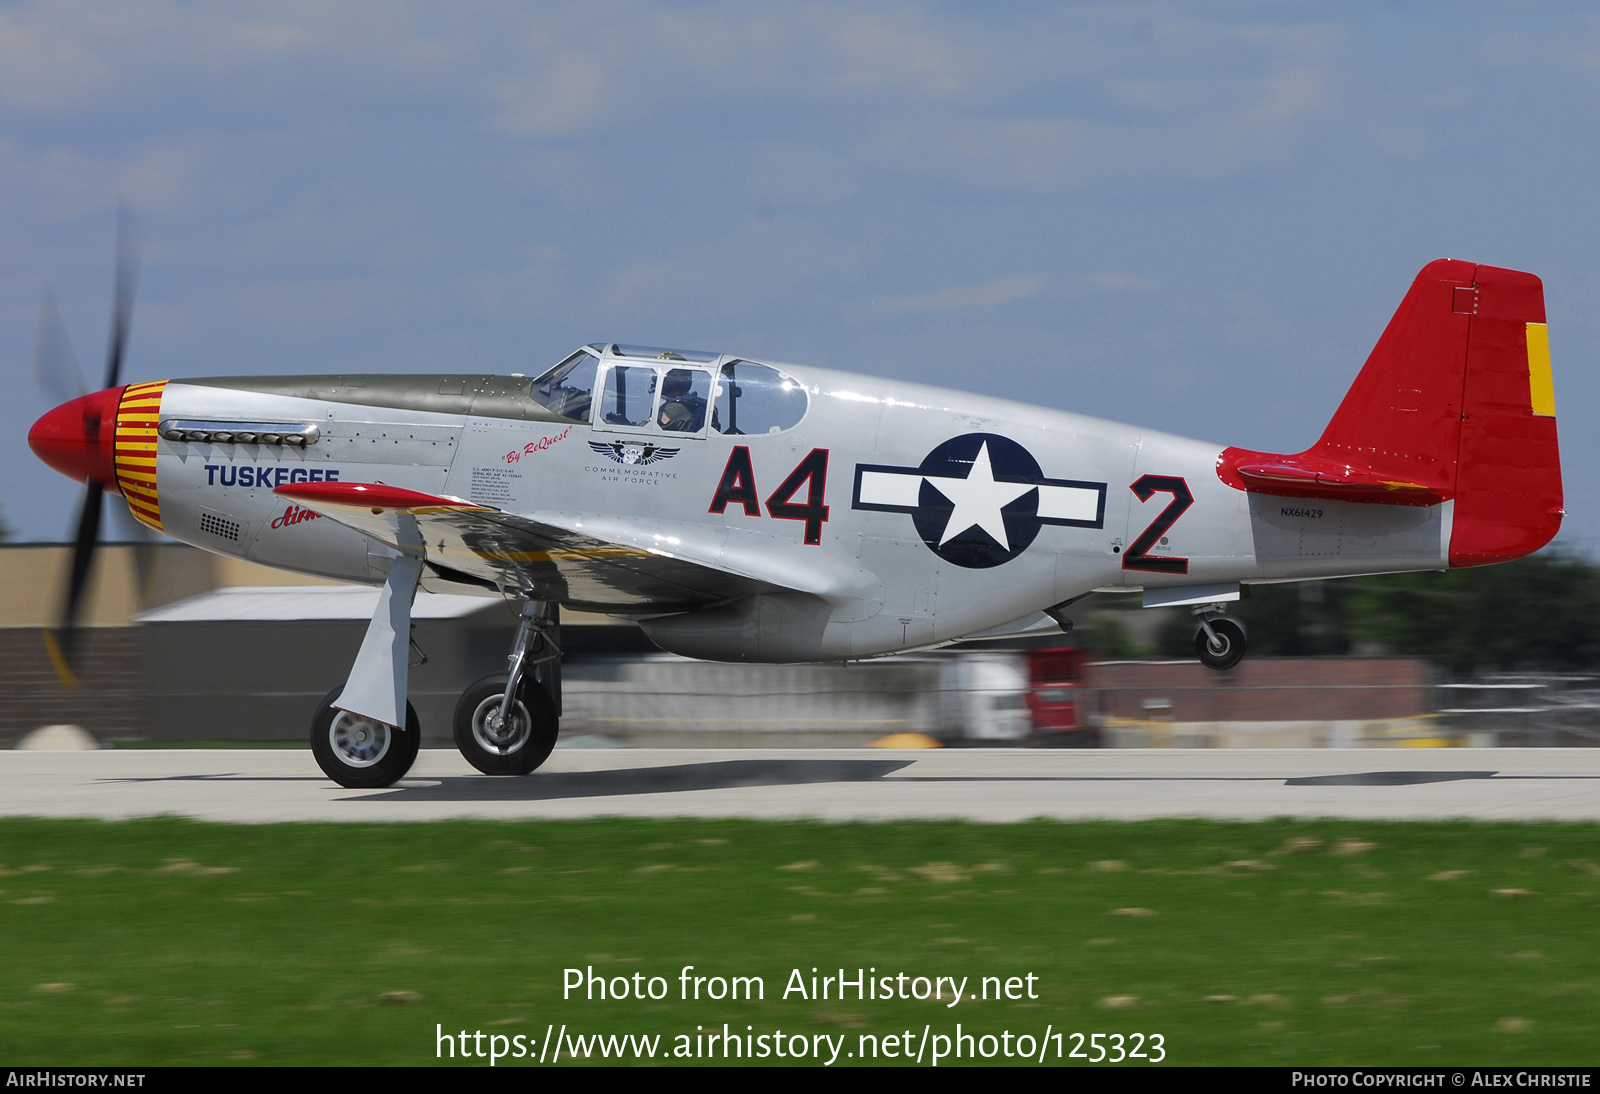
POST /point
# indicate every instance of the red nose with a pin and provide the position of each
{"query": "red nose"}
(76, 438)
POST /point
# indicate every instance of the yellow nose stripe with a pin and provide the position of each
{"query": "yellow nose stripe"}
(137, 415)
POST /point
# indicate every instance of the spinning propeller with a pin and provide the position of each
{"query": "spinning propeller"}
(77, 437)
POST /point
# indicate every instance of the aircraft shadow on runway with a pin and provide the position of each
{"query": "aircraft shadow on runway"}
(666, 779)
(1389, 778)
(733, 774)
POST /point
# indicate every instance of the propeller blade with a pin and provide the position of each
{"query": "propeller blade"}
(127, 281)
(125, 528)
(83, 549)
(55, 369)
(62, 643)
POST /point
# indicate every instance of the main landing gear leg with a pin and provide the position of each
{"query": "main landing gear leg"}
(1219, 643)
(506, 724)
(365, 734)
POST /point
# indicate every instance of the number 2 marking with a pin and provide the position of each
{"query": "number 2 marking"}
(1137, 556)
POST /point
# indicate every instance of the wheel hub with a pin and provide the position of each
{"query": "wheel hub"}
(501, 737)
(358, 741)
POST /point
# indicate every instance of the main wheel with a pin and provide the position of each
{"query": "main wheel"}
(359, 753)
(1229, 648)
(519, 745)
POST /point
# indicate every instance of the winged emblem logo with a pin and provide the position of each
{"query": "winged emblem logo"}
(633, 452)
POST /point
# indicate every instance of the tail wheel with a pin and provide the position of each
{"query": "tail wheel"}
(1228, 648)
(358, 752)
(513, 747)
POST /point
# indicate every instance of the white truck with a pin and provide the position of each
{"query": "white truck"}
(983, 698)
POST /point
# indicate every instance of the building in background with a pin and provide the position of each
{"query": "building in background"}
(181, 645)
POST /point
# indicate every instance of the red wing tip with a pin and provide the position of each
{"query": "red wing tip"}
(373, 495)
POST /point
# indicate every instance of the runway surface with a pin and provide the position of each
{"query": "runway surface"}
(833, 784)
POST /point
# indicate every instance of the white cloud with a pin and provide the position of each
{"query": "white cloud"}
(64, 55)
(1116, 281)
(980, 296)
(789, 174)
(1286, 95)
(43, 65)
(761, 264)
(57, 183)
(562, 95)
(159, 178)
(1038, 101)
(900, 50)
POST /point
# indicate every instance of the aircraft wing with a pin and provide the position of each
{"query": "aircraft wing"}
(621, 569)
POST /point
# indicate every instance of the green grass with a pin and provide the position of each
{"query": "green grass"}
(175, 942)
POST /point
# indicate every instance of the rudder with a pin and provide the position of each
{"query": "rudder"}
(1508, 489)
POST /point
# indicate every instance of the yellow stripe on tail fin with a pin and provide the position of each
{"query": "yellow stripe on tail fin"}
(1541, 385)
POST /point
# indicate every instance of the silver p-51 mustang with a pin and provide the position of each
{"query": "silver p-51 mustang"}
(746, 510)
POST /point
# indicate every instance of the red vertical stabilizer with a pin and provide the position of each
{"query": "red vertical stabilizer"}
(1454, 403)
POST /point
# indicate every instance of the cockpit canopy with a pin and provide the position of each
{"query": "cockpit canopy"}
(650, 388)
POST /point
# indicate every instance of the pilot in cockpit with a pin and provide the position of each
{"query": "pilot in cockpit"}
(683, 409)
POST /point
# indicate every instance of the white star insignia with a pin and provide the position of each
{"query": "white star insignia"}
(978, 499)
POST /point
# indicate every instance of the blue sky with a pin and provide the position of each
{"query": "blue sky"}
(1196, 217)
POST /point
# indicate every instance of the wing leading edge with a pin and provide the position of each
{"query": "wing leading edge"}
(651, 575)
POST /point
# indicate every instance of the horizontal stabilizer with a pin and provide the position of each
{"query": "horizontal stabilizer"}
(1182, 595)
(1306, 476)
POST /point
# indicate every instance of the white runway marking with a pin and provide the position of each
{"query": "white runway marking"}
(832, 784)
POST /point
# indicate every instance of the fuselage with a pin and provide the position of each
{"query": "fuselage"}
(898, 515)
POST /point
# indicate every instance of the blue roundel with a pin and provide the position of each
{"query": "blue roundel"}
(979, 502)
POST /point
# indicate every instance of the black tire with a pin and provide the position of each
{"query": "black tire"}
(527, 742)
(1231, 637)
(359, 753)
